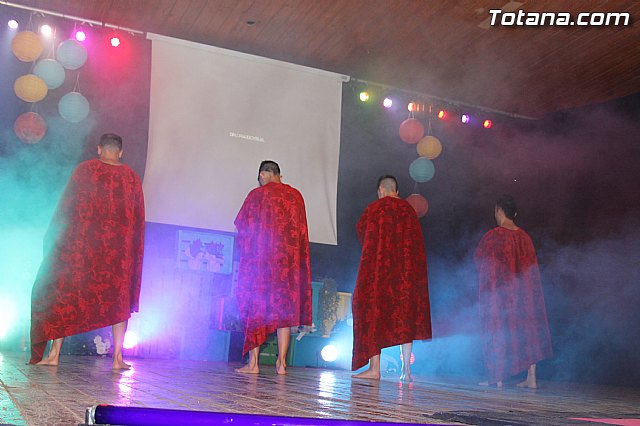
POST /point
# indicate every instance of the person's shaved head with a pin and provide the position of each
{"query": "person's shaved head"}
(388, 183)
(110, 142)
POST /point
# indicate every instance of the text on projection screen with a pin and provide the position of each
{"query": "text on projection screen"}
(215, 114)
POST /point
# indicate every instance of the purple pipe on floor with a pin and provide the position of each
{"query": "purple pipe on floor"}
(137, 416)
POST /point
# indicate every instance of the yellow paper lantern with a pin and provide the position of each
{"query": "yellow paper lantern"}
(27, 46)
(30, 88)
(429, 147)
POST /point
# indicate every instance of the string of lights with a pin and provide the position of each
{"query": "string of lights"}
(79, 33)
(416, 102)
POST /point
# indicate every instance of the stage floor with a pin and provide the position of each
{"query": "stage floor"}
(60, 395)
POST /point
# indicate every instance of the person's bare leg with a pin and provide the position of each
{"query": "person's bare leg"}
(118, 331)
(406, 362)
(284, 335)
(54, 353)
(373, 372)
(531, 381)
(252, 366)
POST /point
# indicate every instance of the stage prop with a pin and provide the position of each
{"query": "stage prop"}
(30, 127)
(103, 415)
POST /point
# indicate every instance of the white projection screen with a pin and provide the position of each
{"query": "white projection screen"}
(215, 114)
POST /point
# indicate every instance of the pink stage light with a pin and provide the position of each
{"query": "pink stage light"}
(387, 103)
(465, 119)
(115, 41)
(80, 35)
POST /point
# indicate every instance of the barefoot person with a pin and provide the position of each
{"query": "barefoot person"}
(91, 272)
(391, 297)
(274, 276)
(512, 311)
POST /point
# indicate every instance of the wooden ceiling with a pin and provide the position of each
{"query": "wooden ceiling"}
(440, 48)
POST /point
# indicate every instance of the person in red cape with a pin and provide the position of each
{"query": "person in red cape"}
(274, 276)
(512, 311)
(391, 297)
(92, 267)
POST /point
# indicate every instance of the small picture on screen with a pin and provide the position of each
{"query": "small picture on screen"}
(205, 251)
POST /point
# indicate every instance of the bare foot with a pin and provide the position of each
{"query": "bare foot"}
(406, 377)
(367, 374)
(281, 368)
(528, 384)
(247, 369)
(48, 361)
(486, 383)
(118, 364)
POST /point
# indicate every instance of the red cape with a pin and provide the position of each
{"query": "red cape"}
(512, 311)
(274, 276)
(91, 273)
(391, 298)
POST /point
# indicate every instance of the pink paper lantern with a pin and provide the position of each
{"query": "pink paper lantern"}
(419, 204)
(30, 127)
(411, 131)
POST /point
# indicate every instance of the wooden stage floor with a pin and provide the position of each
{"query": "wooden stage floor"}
(60, 395)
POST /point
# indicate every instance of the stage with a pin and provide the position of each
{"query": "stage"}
(60, 395)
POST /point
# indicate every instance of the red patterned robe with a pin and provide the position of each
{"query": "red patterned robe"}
(91, 273)
(512, 311)
(391, 297)
(274, 276)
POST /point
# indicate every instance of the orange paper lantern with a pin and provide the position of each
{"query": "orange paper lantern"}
(30, 127)
(419, 204)
(30, 88)
(27, 46)
(429, 147)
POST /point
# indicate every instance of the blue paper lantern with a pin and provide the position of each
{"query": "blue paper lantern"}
(73, 107)
(422, 169)
(71, 54)
(51, 72)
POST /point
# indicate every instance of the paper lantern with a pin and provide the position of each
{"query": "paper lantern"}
(27, 46)
(422, 169)
(411, 130)
(429, 147)
(73, 107)
(30, 127)
(30, 88)
(71, 54)
(419, 204)
(51, 72)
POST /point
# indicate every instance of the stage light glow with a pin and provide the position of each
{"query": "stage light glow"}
(411, 106)
(46, 30)
(130, 340)
(13, 24)
(442, 114)
(364, 96)
(80, 35)
(115, 41)
(465, 119)
(8, 309)
(329, 353)
(487, 124)
(387, 103)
